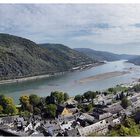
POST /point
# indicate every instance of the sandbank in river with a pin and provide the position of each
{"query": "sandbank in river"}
(103, 76)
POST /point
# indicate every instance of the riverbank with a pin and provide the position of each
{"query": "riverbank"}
(103, 76)
(19, 80)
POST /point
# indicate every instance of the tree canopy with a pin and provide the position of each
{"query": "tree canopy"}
(127, 128)
(66, 96)
(125, 102)
(51, 110)
(7, 105)
(34, 99)
(10, 109)
(78, 98)
(59, 96)
(1, 109)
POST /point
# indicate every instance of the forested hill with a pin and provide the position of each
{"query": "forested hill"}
(135, 61)
(20, 57)
(103, 55)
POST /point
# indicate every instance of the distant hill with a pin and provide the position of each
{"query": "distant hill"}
(20, 57)
(135, 60)
(103, 55)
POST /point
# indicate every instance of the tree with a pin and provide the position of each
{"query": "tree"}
(134, 131)
(129, 122)
(51, 110)
(136, 88)
(137, 116)
(42, 102)
(93, 96)
(78, 98)
(29, 108)
(113, 133)
(6, 101)
(105, 93)
(127, 94)
(59, 96)
(1, 99)
(66, 96)
(24, 101)
(10, 109)
(87, 95)
(117, 97)
(125, 103)
(37, 111)
(127, 128)
(34, 100)
(87, 107)
(7, 105)
(124, 131)
(111, 90)
(1, 109)
(122, 95)
(25, 113)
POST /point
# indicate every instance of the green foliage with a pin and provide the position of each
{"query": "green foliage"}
(25, 114)
(111, 90)
(66, 96)
(37, 111)
(29, 108)
(116, 89)
(24, 101)
(31, 59)
(78, 98)
(79, 106)
(59, 96)
(87, 108)
(1, 109)
(48, 100)
(6, 101)
(34, 99)
(124, 131)
(125, 102)
(136, 88)
(51, 110)
(30, 103)
(7, 105)
(122, 96)
(127, 128)
(93, 94)
(87, 95)
(129, 122)
(10, 109)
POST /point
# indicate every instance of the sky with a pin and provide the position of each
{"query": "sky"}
(107, 27)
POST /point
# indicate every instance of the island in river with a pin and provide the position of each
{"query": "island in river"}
(103, 76)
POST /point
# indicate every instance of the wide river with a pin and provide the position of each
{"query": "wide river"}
(69, 82)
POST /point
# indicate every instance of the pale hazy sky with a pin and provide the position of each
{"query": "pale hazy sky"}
(108, 27)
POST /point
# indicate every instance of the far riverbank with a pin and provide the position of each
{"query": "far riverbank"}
(24, 79)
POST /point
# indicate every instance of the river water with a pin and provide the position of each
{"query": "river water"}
(69, 81)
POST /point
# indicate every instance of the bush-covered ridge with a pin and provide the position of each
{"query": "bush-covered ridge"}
(20, 57)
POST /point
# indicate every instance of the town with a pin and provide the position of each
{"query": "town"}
(91, 114)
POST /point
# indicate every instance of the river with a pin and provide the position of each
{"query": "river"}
(69, 82)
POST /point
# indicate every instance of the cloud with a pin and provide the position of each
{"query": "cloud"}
(73, 23)
(136, 25)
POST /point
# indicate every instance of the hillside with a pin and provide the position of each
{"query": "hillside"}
(135, 61)
(103, 55)
(20, 57)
